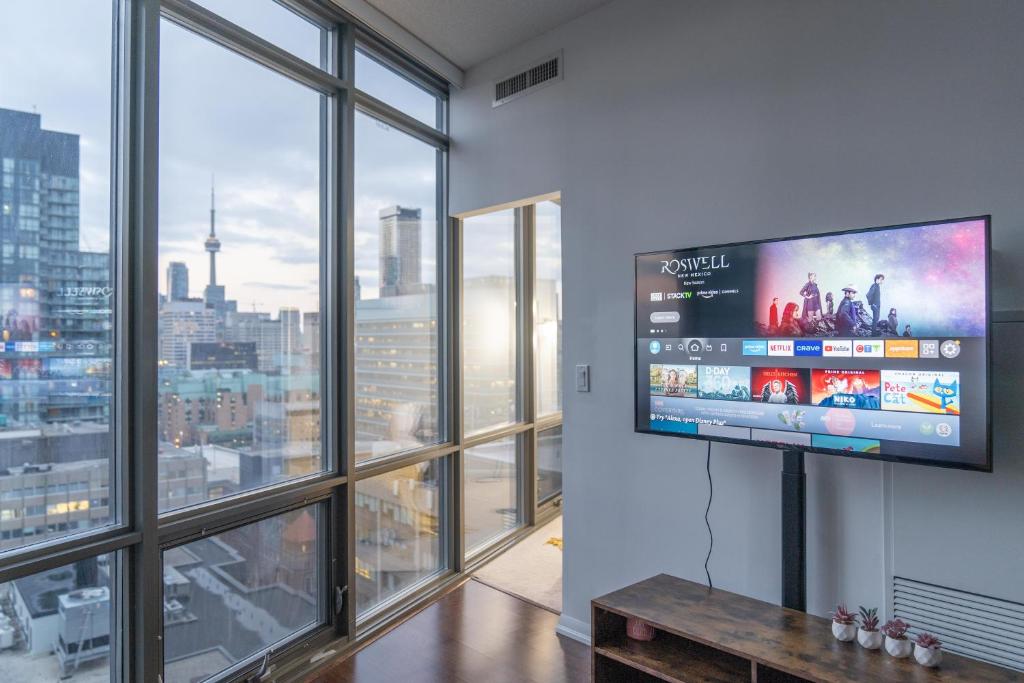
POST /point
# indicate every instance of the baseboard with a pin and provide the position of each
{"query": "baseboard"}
(574, 628)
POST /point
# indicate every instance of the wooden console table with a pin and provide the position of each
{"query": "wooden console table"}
(713, 636)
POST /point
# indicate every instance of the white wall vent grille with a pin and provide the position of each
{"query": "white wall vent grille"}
(976, 626)
(525, 81)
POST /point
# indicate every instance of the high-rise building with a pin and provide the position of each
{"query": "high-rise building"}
(400, 250)
(256, 327)
(177, 281)
(181, 324)
(291, 337)
(396, 369)
(55, 299)
(311, 336)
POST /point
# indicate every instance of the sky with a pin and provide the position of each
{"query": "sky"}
(226, 118)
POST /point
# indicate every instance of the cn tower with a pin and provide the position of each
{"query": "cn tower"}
(212, 243)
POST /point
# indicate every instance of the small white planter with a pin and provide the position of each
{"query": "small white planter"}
(844, 632)
(927, 656)
(898, 648)
(871, 640)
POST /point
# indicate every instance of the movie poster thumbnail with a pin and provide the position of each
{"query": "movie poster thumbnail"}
(846, 388)
(921, 391)
(846, 443)
(723, 382)
(924, 281)
(780, 385)
(674, 380)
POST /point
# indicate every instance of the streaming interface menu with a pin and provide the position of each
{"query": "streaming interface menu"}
(897, 395)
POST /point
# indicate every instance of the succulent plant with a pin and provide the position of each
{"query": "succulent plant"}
(896, 629)
(869, 618)
(843, 615)
(927, 640)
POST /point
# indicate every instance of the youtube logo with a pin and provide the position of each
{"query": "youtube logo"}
(837, 348)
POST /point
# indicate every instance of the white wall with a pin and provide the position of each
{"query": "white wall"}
(694, 122)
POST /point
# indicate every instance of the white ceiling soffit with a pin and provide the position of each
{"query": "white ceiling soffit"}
(407, 42)
(468, 32)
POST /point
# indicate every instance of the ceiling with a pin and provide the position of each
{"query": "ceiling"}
(468, 32)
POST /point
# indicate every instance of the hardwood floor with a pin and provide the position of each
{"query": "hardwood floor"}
(474, 634)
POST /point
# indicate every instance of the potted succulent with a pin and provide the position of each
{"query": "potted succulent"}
(638, 629)
(868, 634)
(927, 650)
(896, 642)
(844, 626)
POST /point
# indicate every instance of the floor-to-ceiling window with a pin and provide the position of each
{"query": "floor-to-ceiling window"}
(236, 431)
(511, 323)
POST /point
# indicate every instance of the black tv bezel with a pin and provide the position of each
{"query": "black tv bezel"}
(881, 457)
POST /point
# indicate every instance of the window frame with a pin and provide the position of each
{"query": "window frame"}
(140, 533)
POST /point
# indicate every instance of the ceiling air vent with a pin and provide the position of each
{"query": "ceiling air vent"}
(525, 81)
(976, 626)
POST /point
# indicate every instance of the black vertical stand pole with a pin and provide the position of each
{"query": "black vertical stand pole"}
(794, 530)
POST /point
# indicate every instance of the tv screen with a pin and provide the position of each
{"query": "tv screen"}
(870, 343)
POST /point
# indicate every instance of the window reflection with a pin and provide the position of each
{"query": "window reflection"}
(397, 531)
(396, 345)
(231, 595)
(491, 491)
(489, 329)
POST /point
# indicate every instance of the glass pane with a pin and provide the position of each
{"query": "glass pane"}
(491, 490)
(396, 291)
(392, 88)
(397, 531)
(549, 464)
(56, 291)
(239, 320)
(547, 311)
(56, 624)
(489, 321)
(229, 596)
(274, 23)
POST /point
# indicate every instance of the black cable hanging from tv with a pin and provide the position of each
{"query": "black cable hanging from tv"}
(711, 535)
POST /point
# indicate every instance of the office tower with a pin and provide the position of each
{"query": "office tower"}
(399, 250)
(177, 281)
(396, 357)
(291, 329)
(311, 336)
(256, 327)
(55, 299)
(181, 324)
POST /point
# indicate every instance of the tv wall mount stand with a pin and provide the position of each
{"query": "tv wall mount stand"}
(794, 530)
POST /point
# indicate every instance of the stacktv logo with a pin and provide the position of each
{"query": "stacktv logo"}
(807, 348)
(780, 348)
(873, 349)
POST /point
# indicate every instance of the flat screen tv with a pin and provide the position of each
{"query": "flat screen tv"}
(869, 343)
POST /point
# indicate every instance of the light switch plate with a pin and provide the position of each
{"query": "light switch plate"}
(583, 377)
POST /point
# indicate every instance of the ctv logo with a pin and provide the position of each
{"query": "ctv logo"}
(873, 349)
(780, 348)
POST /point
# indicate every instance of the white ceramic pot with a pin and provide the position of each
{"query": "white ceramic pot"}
(898, 648)
(844, 632)
(927, 656)
(872, 640)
